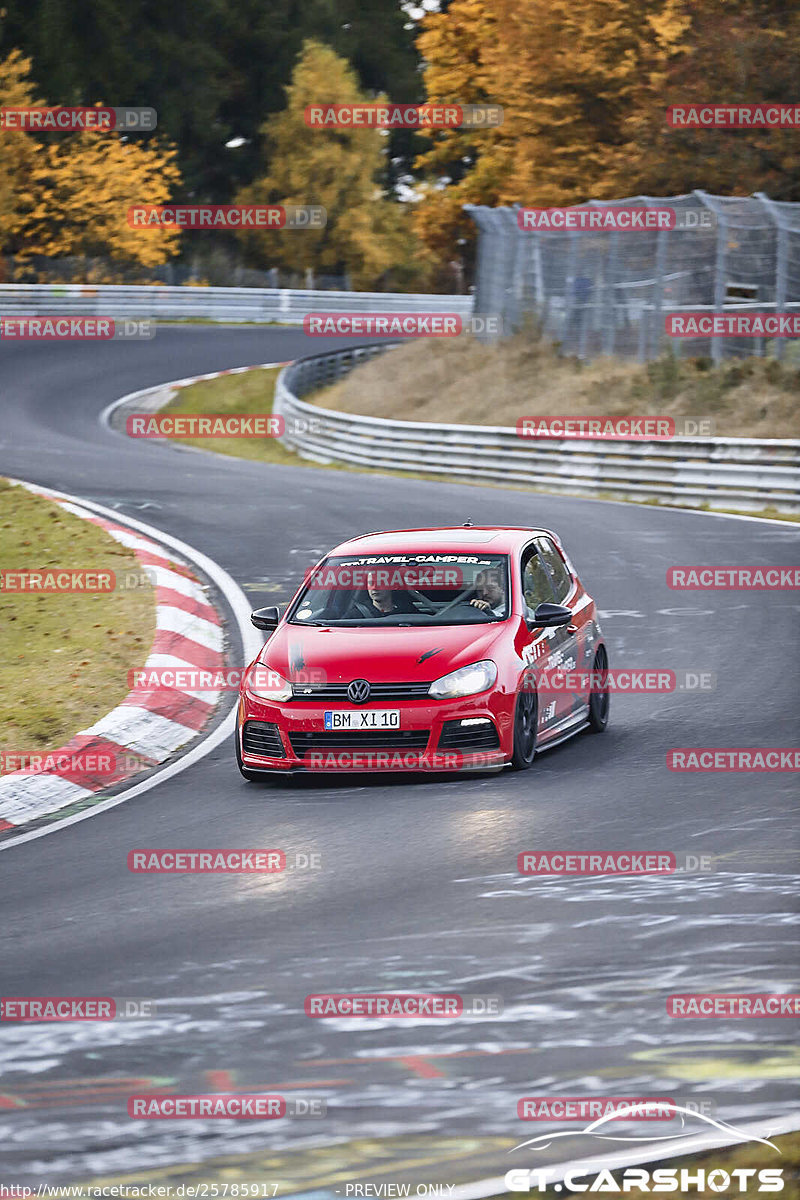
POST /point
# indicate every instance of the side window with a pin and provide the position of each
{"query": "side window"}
(536, 586)
(557, 572)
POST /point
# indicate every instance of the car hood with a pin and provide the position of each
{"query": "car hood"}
(381, 655)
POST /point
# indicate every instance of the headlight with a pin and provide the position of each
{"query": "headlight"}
(267, 684)
(466, 681)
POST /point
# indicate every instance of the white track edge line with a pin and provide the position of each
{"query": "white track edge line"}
(251, 644)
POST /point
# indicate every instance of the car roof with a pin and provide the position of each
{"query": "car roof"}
(457, 539)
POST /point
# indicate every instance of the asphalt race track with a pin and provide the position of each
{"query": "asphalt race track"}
(418, 887)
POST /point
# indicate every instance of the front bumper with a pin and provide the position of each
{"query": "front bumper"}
(432, 736)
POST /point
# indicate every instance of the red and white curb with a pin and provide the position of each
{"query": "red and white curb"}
(151, 723)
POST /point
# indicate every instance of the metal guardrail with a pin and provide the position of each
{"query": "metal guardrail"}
(262, 305)
(740, 473)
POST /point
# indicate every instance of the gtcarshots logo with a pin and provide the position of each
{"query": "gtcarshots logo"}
(401, 325)
(401, 1005)
(74, 329)
(640, 1179)
(682, 1180)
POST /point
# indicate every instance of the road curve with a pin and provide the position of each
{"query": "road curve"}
(418, 886)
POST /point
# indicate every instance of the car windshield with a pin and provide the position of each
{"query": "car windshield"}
(405, 589)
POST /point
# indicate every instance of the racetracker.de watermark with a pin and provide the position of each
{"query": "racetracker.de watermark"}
(63, 119)
(403, 116)
(401, 760)
(75, 329)
(629, 218)
(211, 1106)
(401, 1005)
(345, 577)
(400, 325)
(734, 116)
(74, 1008)
(57, 579)
(611, 862)
(629, 429)
(227, 216)
(221, 679)
(626, 681)
(732, 324)
(770, 759)
(94, 763)
(738, 578)
(740, 1004)
(218, 425)
(586, 1108)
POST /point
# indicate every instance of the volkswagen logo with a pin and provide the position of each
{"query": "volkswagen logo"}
(358, 691)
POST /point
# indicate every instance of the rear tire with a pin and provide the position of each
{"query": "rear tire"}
(526, 726)
(599, 702)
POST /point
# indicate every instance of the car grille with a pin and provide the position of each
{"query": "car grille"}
(260, 737)
(391, 739)
(336, 693)
(455, 736)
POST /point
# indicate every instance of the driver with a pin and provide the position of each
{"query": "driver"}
(491, 591)
(385, 601)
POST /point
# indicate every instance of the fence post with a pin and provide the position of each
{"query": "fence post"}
(781, 263)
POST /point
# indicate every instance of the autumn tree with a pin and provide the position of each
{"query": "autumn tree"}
(736, 51)
(69, 195)
(366, 234)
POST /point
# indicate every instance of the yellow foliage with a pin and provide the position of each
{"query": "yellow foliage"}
(69, 195)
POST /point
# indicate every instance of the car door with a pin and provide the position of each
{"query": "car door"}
(543, 581)
(568, 652)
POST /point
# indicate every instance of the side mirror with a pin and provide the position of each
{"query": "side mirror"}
(266, 618)
(547, 616)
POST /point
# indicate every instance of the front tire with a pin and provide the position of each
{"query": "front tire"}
(599, 702)
(526, 725)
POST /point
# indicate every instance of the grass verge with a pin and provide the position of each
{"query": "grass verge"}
(461, 380)
(250, 392)
(64, 657)
(253, 392)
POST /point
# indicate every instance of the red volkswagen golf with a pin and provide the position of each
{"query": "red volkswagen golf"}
(425, 649)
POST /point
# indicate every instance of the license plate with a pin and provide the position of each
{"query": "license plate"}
(372, 718)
